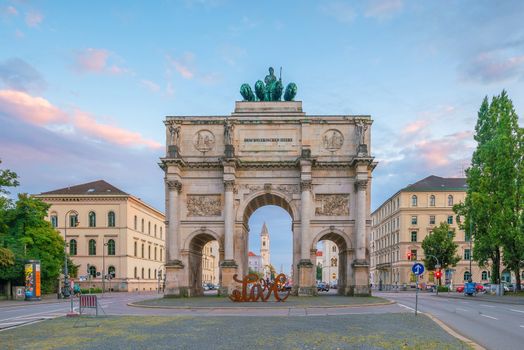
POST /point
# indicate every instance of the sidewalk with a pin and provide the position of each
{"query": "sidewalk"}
(506, 299)
(46, 299)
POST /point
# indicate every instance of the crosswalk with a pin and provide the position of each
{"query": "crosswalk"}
(28, 319)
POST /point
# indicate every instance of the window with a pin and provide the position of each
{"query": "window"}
(142, 226)
(111, 247)
(149, 252)
(160, 232)
(414, 201)
(73, 220)
(155, 230)
(413, 220)
(149, 273)
(413, 236)
(467, 236)
(54, 220)
(136, 273)
(142, 250)
(263, 243)
(450, 200)
(451, 234)
(467, 276)
(467, 254)
(111, 219)
(413, 254)
(72, 247)
(450, 219)
(154, 274)
(149, 227)
(92, 271)
(92, 219)
(136, 223)
(432, 201)
(334, 249)
(92, 247)
(161, 254)
(136, 250)
(155, 253)
(432, 219)
(485, 275)
(334, 262)
(142, 273)
(111, 272)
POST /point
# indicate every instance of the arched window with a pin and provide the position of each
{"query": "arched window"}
(334, 262)
(111, 219)
(149, 273)
(111, 272)
(136, 223)
(92, 219)
(484, 275)
(467, 276)
(54, 220)
(450, 200)
(154, 276)
(432, 201)
(92, 247)
(414, 201)
(73, 220)
(149, 252)
(142, 227)
(136, 250)
(161, 255)
(136, 273)
(149, 227)
(72, 247)
(155, 230)
(111, 247)
(155, 253)
(160, 232)
(142, 273)
(142, 250)
(334, 249)
(92, 271)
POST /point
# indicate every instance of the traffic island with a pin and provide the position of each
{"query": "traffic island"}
(371, 331)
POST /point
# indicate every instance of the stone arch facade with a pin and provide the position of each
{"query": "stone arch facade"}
(219, 170)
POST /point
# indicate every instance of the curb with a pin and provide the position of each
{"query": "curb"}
(454, 333)
(257, 308)
(31, 303)
(512, 302)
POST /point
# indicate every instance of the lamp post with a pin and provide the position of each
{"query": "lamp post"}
(67, 292)
(104, 245)
(159, 276)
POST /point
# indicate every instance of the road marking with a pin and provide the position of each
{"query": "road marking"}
(516, 310)
(521, 326)
(29, 315)
(493, 318)
(486, 305)
(458, 308)
(407, 307)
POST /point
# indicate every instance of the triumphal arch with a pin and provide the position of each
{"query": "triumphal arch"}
(220, 169)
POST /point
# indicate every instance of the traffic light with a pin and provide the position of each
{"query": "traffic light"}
(409, 256)
(438, 274)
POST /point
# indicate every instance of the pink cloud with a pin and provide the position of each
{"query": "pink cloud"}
(493, 67)
(444, 151)
(416, 126)
(34, 110)
(10, 10)
(182, 65)
(151, 86)
(93, 60)
(33, 19)
(109, 133)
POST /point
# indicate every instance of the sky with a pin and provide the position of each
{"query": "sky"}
(85, 85)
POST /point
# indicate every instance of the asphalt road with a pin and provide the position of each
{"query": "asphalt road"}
(492, 325)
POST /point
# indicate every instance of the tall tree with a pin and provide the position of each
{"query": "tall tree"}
(440, 244)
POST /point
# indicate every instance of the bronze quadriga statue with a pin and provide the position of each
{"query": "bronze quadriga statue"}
(269, 90)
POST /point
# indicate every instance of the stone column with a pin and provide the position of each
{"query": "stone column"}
(306, 268)
(228, 220)
(360, 264)
(173, 224)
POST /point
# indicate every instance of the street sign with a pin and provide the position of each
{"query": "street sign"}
(418, 269)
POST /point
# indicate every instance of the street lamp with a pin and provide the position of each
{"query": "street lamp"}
(67, 292)
(104, 266)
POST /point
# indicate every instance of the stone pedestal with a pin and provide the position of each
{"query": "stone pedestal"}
(361, 275)
(175, 277)
(228, 268)
(306, 280)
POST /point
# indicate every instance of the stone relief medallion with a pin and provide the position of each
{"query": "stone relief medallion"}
(204, 140)
(332, 204)
(203, 205)
(332, 140)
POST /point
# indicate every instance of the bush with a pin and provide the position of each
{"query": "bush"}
(443, 289)
(90, 291)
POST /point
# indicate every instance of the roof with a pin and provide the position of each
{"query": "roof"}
(99, 187)
(264, 230)
(251, 254)
(437, 183)
(319, 253)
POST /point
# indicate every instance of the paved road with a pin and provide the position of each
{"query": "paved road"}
(493, 325)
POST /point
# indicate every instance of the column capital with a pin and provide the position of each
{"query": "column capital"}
(361, 185)
(174, 185)
(305, 185)
(229, 185)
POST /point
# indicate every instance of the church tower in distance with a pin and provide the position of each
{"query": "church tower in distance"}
(264, 245)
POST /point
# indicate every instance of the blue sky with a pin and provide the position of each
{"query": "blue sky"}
(84, 86)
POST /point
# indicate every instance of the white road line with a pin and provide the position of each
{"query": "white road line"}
(458, 308)
(521, 326)
(493, 318)
(407, 307)
(516, 310)
(30, 315)
(486, 305)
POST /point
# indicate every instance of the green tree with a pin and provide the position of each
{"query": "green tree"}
(493, 205)
(439, 243)
(319, 272)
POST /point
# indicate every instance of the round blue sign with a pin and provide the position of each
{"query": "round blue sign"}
(418, 269)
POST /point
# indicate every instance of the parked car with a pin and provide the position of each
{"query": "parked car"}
(479, 288)
(322, 287)
(460, 289)
(333, 285)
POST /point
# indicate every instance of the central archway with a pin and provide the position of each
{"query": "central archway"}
(242, 230)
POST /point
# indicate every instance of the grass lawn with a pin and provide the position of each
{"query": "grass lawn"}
(377, 331)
